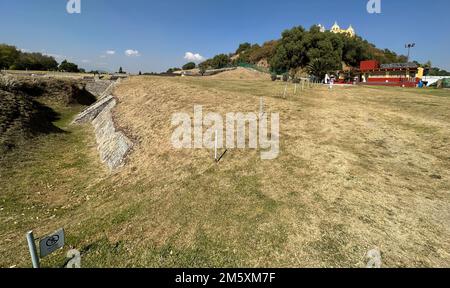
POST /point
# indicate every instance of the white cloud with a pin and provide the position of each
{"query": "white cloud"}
(86, 61)
(132, 53)
(193, 57)
(103, 56)
(110, 52)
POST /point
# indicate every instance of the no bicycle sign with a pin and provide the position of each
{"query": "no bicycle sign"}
(47, 245)
(51, 243)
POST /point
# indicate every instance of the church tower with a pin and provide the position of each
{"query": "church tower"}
(350, 32)
(335, 28)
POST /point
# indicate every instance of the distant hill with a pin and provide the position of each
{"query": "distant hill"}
(312, 51)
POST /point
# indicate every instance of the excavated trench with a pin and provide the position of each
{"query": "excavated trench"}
(23, 116)
(22, 113)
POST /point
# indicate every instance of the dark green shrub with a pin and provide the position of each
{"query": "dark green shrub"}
(189, 66)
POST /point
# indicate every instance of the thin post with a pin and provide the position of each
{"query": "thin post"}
(295, 89)
(285, 90)
(33, 251)
(261, 107)
(215, 146)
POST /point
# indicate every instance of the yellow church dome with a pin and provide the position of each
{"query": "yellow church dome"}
(335, 27)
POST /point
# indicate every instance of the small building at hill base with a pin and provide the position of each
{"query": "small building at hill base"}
(372, 73)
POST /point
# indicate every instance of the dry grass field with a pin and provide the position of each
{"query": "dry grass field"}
(359, 168)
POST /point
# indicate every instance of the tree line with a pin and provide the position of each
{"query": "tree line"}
(13, 59)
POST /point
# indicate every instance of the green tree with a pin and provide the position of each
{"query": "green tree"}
(189, 66)
(35, 61)
(355, 50)
(298, 48)
(8, 56)
(218, 62)
(66, 66)
(326, 49)
(264, 52)
(202, 69)
(246, 55)
(243, 47)
(171, 70)
(291, 51)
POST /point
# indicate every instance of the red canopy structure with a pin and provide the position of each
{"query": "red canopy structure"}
(372, 73)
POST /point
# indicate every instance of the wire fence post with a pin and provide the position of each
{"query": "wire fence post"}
(215, 146)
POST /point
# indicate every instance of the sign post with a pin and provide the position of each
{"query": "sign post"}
(215, 146)
(33, 251)
(47, 245)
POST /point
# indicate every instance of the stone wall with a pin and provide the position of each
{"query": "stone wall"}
(98, 87)
(92, 112)
(113, 145)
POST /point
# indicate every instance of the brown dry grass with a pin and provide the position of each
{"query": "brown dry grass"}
(359, 168)
(241, 74)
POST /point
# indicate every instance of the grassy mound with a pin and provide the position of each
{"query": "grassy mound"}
(241, 74)
(23, 110)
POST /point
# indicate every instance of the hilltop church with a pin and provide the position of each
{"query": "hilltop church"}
(350, 32)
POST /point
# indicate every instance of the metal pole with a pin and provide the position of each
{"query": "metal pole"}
(33, 251)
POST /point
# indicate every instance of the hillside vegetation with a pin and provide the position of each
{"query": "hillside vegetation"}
(308, 52)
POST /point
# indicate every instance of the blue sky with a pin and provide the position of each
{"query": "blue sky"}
(159, 33)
